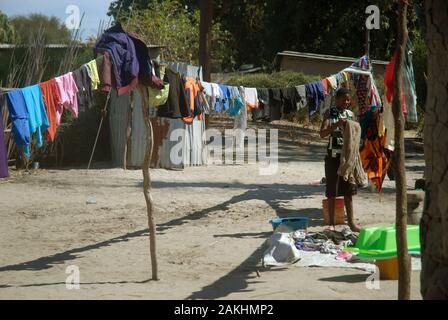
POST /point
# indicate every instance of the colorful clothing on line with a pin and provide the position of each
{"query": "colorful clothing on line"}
(315, 95)
(18, 115)
(52, 101)
(225, 100)
(176, 105)
(236, 102)
(194, 100)
(68, 92)
(92, 70)
(251, 98)
(37, 116)
(84, 84)
(218, 94)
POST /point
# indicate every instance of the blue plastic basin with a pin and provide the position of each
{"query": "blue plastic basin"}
(295, 223)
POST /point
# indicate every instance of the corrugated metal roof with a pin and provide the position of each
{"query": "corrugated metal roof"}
(324, 57)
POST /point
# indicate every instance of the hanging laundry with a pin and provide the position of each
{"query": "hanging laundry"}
(18, 115)
(315, 95)
(275, 104)
(3, 151)
(343, 78)
(409, 88)
(68, 92)
(52, 101)
(375, 160)
(291, 99)
(240, 122)
(194, 100)
(332, 82)
(262, 113)
(146, 72)
(207, 88)
(251, 98)
(130, 59)
(105, 72)
(84, 84)
(37, 116)
(389, 124)
(92, 70)
(218, 94)
(301, 91)
(209, 97)
(236, 102)
(225, 99)
(325, 85)
(124, 57)
(176, 106)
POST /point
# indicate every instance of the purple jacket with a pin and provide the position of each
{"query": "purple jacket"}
(130, 58)
(123, 54)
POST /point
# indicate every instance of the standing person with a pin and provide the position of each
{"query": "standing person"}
(332, 125)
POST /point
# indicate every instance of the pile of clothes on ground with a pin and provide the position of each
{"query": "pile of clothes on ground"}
(323, 248)
(327, 241)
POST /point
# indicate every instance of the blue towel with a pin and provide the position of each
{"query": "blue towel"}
(226, 96)
(38, 120)
(315, 95)
(18, 114)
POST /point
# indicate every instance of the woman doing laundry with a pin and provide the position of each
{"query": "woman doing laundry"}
(333, 125)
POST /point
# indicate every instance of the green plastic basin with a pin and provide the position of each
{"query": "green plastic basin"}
(376, 243)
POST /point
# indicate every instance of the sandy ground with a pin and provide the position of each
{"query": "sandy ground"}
(212, 227)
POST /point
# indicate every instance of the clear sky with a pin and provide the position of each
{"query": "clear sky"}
(95, 11)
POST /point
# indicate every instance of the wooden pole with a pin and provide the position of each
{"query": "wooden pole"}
(127, 145)
(205, 37)
(367, 45)
(147, 182)
(404, 261)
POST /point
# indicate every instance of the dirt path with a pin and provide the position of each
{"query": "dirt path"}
(212, 224)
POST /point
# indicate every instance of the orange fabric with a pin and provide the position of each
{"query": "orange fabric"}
(51, 97)
(193, 86)
(374, 160)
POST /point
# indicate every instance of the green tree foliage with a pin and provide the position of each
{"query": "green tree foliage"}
(27, 27)
(122, 8)
(262, 28)
(7, 32)
(170, 23)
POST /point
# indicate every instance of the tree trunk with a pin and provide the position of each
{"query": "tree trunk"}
(434, 223)
(147, 183)
(205, 37)
(404, 261)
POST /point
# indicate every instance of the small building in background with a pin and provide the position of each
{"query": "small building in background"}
(320, 64)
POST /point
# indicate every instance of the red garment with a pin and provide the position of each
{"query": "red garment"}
(389, 83)
(52, 99)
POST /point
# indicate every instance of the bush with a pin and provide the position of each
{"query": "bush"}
(282, 79)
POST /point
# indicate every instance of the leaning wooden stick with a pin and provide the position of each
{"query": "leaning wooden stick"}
(147, 181)
(404, 260)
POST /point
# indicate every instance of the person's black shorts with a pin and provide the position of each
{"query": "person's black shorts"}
(333, 188)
